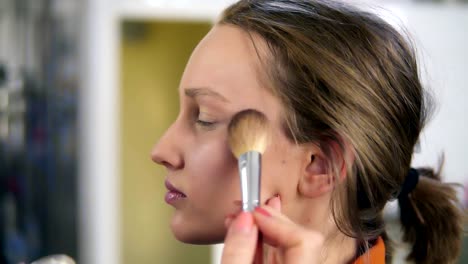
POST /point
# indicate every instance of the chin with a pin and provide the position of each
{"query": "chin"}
(197, 235)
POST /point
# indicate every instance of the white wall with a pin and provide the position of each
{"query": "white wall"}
(440, 34)
(442, 38)
(99, 177)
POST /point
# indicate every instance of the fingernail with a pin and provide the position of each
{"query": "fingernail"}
(243, 223)
(262, 211)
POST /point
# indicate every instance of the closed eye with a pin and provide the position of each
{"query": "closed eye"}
(204, 123)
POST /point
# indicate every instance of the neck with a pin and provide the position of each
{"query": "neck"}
(315, 214)
(339, 249)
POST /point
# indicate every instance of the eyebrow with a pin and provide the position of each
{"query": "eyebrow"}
(196, 92)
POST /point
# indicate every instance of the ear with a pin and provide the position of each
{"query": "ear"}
(317, 179)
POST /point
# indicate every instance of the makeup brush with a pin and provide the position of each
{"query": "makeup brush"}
(249, 134)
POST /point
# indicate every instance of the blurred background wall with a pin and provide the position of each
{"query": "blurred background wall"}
(153, 56)
(88, 87)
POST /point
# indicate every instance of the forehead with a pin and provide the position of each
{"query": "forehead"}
(227, 62)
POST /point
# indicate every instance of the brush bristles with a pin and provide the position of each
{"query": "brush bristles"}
(248, 131)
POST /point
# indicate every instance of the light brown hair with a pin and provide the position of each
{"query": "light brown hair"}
(347, 77)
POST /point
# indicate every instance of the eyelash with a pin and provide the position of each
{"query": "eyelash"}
(204, 123)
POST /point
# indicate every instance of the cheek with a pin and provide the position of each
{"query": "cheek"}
(280, 171)
(211, 157)
(213, 168)
(211, 183)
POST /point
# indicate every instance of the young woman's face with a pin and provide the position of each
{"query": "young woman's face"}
(221, 79)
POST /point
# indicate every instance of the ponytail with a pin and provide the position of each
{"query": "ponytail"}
(432, 219)
(337, 69)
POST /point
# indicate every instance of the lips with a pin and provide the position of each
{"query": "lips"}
(173, 194)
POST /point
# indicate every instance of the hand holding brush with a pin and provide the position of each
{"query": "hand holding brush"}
(287, 241)
(249, 135)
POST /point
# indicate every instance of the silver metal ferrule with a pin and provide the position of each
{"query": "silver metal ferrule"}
(250, 171)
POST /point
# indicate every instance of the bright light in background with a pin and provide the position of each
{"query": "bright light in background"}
(156, 3)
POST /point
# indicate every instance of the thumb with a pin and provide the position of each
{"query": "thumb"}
(281, 231)
(240, 241)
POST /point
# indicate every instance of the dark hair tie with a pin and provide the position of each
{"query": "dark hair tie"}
(407, 207)
(411, 180)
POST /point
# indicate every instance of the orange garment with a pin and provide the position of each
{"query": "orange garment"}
(375, 255)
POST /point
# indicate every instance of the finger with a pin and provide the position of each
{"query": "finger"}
(258, 259)
(277, 229)
(229, 219)
(275, 203)
(240, 241)
(269, 254)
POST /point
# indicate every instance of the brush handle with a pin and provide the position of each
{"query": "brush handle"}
(250, 171)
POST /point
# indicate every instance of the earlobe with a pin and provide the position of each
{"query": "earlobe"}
(315, 180)
(318, 179)
(316, 185)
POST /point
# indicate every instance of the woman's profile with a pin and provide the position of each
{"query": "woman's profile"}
(341, 90)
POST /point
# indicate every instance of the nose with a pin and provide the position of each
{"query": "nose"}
(168, 152)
